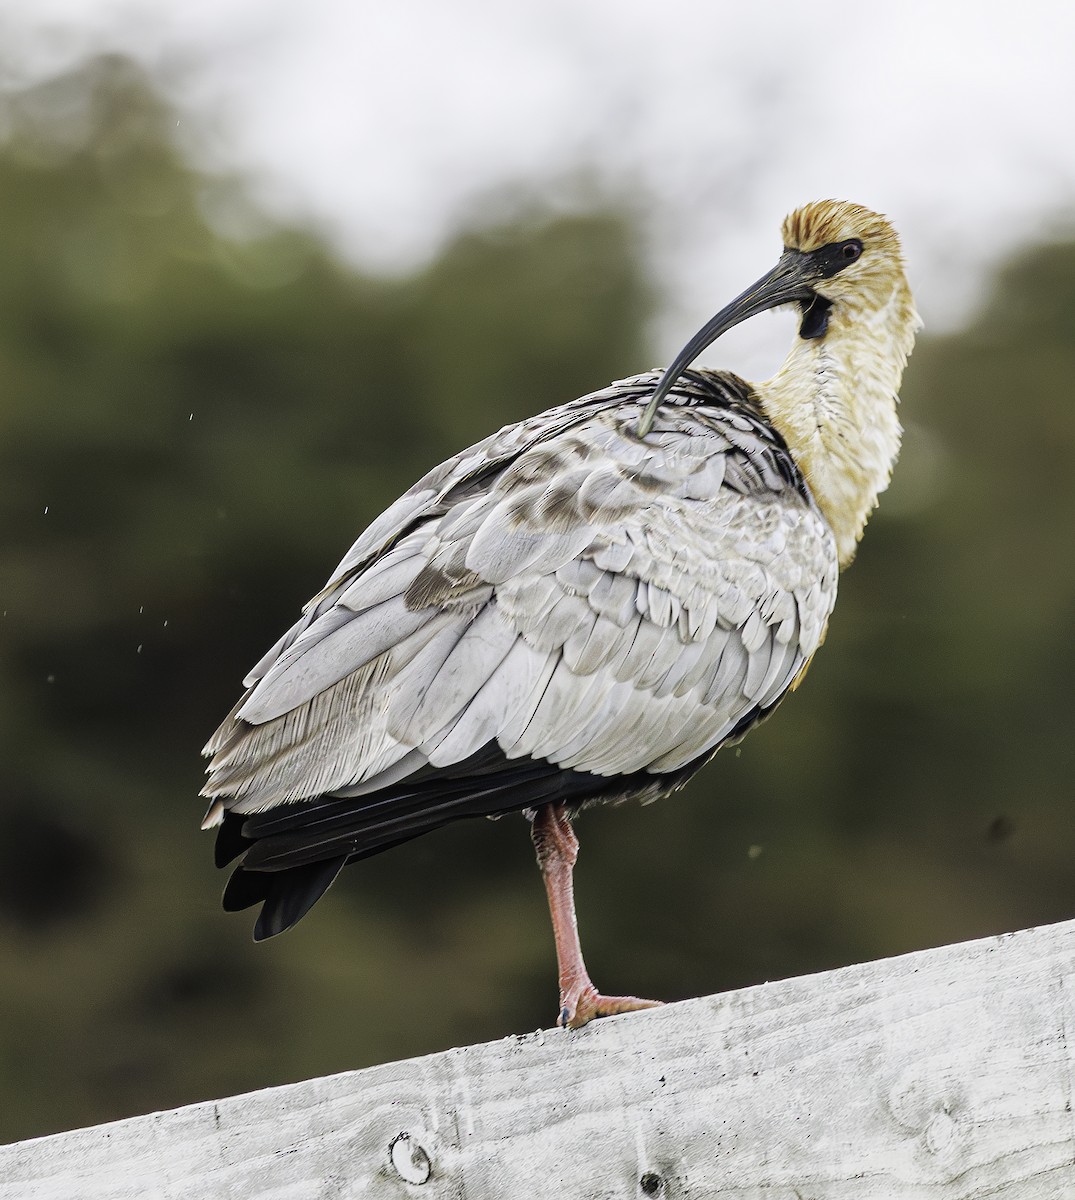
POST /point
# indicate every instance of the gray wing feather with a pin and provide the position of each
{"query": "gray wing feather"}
(309, 667)
(614, 556)
(539, 670)
(507, 691)
(616, 597)
(385, 580)
(422, 706)
(688, 662)
(504, 547)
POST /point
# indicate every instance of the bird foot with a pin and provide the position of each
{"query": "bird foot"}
(580, 1004)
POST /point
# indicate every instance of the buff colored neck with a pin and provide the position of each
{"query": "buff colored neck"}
(834, 403)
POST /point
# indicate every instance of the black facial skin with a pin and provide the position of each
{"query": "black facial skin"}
(825, 263)
(830, 260)
(815, 322)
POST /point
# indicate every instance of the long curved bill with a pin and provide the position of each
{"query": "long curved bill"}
(786, 283)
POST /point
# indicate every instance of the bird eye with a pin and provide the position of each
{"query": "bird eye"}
(849, 251)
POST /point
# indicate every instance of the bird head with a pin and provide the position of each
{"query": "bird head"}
(840, 261)
(846, 257)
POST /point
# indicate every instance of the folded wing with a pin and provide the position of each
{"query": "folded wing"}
(563, 612)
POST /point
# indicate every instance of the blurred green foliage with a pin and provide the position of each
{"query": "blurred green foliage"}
(194, 425)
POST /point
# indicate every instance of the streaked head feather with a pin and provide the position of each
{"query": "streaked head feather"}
(823, 222)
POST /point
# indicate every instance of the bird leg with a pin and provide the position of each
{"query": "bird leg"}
(557, 849)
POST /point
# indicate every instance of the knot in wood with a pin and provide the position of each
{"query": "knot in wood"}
(410, 1161)
(651, 1184)
(933, 1107)
(942, 1133)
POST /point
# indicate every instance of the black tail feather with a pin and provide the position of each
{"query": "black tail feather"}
(291, 894)
(230, 842)
(245, 888)
(291, 853)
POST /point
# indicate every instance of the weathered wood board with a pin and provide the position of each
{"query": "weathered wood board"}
(943, 1074)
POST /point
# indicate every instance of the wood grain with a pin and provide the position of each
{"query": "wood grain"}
(943, 1074)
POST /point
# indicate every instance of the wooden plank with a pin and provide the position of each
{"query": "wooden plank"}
(944, 1074)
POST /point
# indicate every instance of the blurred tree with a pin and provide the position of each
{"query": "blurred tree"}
(199, 411)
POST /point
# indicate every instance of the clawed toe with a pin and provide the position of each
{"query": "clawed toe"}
(581, 1005)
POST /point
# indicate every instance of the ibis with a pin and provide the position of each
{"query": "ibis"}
(581, 609)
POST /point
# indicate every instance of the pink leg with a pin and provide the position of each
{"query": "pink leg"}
(557, 849)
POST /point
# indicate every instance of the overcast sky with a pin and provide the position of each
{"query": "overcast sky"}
(390, 124)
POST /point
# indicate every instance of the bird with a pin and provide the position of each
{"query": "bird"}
(583, 608)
